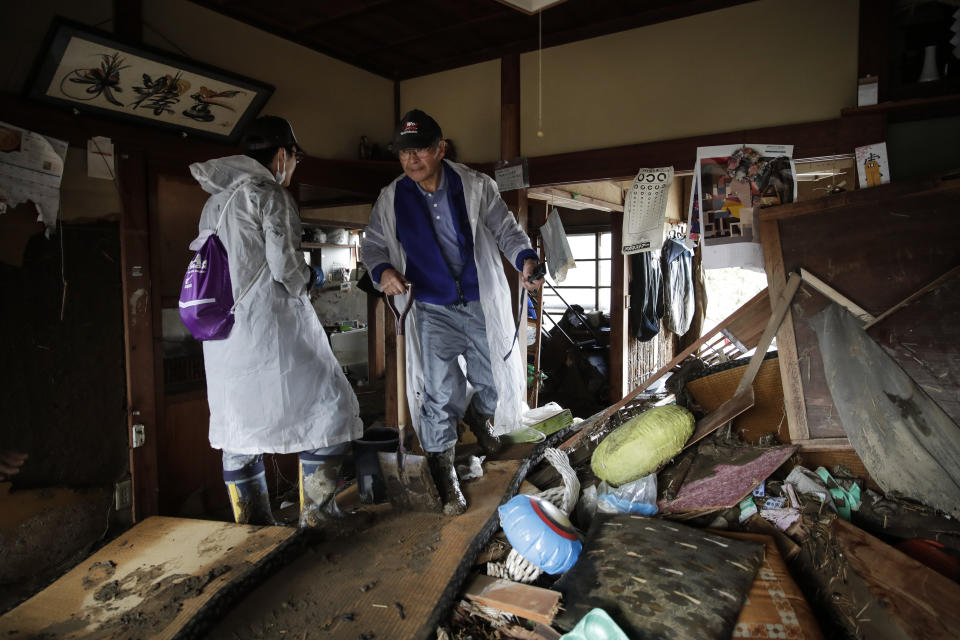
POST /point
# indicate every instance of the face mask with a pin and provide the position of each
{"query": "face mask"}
(282, 174)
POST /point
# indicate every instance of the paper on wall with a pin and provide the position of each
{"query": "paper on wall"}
(31, 168)
(645, 210)
(100, 162)
(873, 168)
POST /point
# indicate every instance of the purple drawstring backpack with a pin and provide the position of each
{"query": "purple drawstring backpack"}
(206, 296)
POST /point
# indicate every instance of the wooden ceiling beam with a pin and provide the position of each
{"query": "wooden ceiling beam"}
(451, 27)
(570, 200)
(825, 138)
(347, 10)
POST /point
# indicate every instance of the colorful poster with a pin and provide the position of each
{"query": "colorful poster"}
(645, 209)
(731, 182)
(873, 168)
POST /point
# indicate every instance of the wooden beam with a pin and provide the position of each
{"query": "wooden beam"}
(376, 337)
(563, 198)
(793, 399)
(128, 20)
(836, 296)
(619, 318)
(138, 330)
(917, 294)
(393, 371)
(524, 600)
(510, 148)
(812, 140)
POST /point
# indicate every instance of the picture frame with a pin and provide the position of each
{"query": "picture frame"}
(92, 71)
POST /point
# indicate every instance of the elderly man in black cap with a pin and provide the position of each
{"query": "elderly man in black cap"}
(440, 227)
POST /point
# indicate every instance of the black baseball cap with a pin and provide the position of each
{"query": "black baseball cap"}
(269, 132)
(416, 130)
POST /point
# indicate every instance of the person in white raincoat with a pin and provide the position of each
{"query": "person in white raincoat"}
(440, 227)
(273, 385)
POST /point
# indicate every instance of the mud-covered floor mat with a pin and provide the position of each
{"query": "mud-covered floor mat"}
(154, 581)
(660, 579)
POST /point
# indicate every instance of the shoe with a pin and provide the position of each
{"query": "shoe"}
(482, 427)
(318, 488)
(445, 475)
(249, 496)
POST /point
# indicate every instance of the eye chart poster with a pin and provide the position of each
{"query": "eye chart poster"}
(645, 210)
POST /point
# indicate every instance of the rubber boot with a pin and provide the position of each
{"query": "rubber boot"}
(318, 488)
(482, 427)
(445, 475)
(249, 497)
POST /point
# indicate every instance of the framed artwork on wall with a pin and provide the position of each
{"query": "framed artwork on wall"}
(92, 71)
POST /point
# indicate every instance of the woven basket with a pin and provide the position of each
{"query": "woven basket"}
(767, 413)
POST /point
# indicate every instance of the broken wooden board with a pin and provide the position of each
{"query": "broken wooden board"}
(907, 442)
(723, 475)
(921, 602)
(775, 607)
(659, 579)
(523, 600)
(153, 581)
(923, 336)
(342, 588)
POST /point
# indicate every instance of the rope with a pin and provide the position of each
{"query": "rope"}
(564, 498)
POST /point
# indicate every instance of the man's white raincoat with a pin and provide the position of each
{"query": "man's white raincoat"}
(274, 384)
(492, 224)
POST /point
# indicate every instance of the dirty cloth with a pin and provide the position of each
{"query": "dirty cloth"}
(274, 384)
(446, 333)
(659, 579)
(910, 447)
(493, 228)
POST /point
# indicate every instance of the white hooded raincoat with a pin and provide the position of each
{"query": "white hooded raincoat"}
(274, 384)
(492, 224)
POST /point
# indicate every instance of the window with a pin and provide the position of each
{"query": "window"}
(588, 284)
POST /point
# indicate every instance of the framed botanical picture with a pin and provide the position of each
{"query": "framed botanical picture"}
(92, 71)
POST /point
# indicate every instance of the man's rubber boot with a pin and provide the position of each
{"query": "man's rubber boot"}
(249, 497)
(445, 475)
(318, 488)
(482, 427)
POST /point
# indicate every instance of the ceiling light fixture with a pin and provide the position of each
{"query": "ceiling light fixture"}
(530, 7)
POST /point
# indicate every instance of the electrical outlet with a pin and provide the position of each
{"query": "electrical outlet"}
(122, 495)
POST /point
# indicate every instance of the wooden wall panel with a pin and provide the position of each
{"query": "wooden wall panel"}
(876, 246)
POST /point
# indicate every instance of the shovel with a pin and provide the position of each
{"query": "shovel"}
(407, 477)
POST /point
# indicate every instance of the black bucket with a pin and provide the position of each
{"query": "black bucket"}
(369, 476)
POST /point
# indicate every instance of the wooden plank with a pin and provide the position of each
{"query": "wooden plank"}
(836, 296)
(152, 581)
(344, 588)
(793, 400)
(138, 329)
(570, 200)
(524, 600)
(376, 337)
(924, 339)
(814, 140)
(921, 601)
(619, 318)
(836, 238)
(914, 296)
